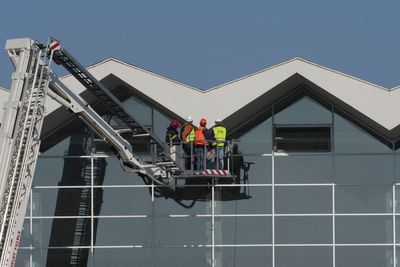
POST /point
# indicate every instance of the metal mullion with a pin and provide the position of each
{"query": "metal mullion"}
(31, 231)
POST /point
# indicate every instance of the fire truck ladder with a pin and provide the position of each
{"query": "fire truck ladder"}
(163, 162)
(18, 174)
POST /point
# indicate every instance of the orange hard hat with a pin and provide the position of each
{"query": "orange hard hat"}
(203, 122)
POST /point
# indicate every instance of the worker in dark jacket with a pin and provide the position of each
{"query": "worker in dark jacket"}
(172, 136)
(172, 140)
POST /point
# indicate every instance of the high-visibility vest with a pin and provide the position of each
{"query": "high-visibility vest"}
(219, 135)
(191, 136)
(200, 139)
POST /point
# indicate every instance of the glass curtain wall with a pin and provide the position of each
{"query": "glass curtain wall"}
(336, 208)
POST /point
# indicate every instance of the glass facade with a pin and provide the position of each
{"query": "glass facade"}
(337, 208)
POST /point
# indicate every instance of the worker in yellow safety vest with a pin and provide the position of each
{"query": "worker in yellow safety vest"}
(218, 145)
(187, 135)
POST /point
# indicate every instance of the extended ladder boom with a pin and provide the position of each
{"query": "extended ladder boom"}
(23, 120)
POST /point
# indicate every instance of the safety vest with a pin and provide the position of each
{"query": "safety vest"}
(192, 134)
(219, 135)
(200, 139)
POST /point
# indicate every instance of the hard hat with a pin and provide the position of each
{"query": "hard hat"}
(189, 118)
(203, 122)
(174, 124)
(218, 120)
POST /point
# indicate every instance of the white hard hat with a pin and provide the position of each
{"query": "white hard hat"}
(189, 118)
(218, 120)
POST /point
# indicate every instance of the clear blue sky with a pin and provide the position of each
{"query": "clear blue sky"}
(209, 42)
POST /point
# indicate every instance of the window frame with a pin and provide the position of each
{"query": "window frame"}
(329, 140)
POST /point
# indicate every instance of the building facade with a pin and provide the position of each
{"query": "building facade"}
(317, 165)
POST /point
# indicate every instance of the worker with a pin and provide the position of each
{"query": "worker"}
(218, 145)
(202, 138)
(172, 139)
(187, 135)
(172, 136)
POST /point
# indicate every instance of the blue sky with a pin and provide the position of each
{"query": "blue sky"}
(206, 43)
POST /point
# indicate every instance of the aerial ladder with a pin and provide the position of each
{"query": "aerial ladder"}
(32, 82)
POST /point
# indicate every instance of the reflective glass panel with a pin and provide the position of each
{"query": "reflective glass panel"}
(175, 231)
(243, 230)
(160, 124)
(364, 256)
(121, 257)
(23, 257)
(138, 110)
(62, 172)
(303, 230)
(364, 169)
(182, 257)
(297, 169)
(110, 172)
(256, 200)
(61, 201)
(122, 201)
(364, 229)
(60, 257)
(77, 144)
(61, 232)
(254, 169)
(258, 140)
(303, 199)
(243, 256)
(183, 200)
(304, 111)
(25, 235)
(303, 256)
(351, 139)
(363, 199)
(123, 231)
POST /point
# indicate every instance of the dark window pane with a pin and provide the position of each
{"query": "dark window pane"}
(302, 139)
(243, 230)
(303, 230)
(304, 256)
(364, 229)
(305, 199)
(364, 256)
